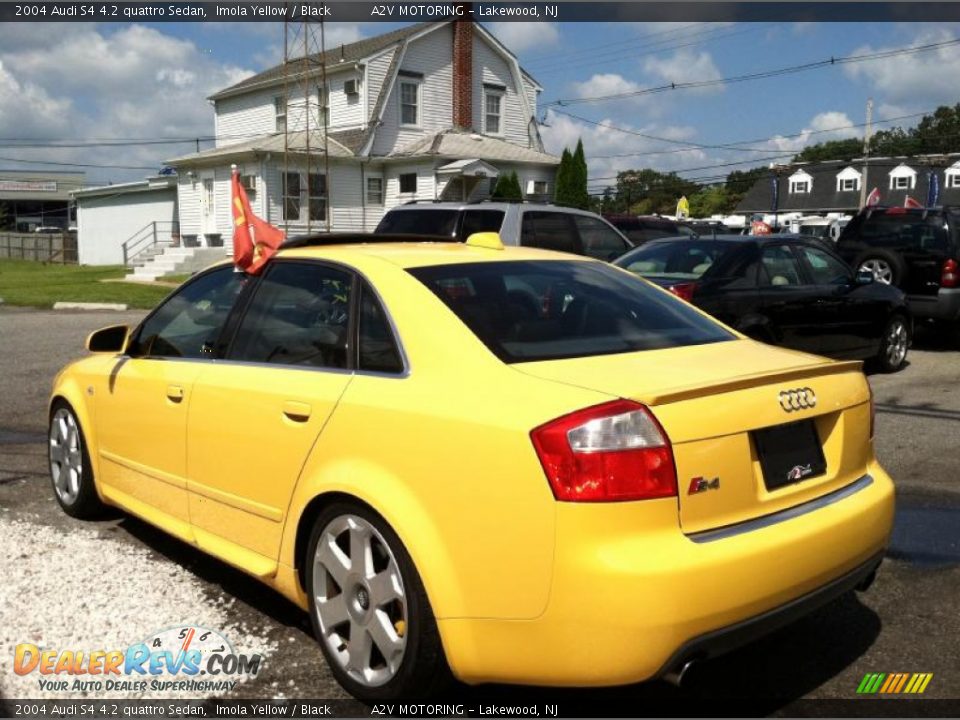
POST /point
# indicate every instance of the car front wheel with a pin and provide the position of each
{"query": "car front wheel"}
(70, 468)
(369, 609)
(894, 344)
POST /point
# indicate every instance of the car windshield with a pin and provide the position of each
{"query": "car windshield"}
(545, 310)
(419, 222)
(674, 259)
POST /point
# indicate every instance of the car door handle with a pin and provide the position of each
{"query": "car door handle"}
(297, 411)
(175, 393)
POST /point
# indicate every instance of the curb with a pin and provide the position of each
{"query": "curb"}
(88, 306)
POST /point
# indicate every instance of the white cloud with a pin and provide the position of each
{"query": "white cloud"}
(825, 126)
(604, 84)
(601, 144)
(685, 66)
(522, 36)
(102, 82)
(920, 81)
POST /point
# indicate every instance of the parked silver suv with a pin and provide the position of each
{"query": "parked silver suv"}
(534, 225)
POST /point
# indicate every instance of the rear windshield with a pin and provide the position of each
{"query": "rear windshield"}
(546, 310)
(419, 222)
(675, 259)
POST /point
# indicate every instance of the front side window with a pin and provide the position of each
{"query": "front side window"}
(188, 325)
(300, 315)
(550, 309)
(493, 103)
(409, 103)
(599, 240)
(824, 268)
(780, 267)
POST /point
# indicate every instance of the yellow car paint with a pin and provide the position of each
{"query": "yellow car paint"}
(525, 588)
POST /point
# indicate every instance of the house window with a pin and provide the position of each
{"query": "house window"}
(317, 196)
(291, 196)
(953, 180)
(409, 103)
(900, 182)
(375, 190)
(799, 186)
(280, 114)
(323, 103)
(537, 187)
(315, 192)
(492, 111)
(848, 184)
(408, 183)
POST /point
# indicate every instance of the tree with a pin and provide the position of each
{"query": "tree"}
(579, 186)
(563, 193)
(713, 200)
(831, 150)
(508, 187)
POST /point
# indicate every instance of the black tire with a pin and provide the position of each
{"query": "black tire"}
(423, 671)
(891, 358)
(874, 259)
(71, 474)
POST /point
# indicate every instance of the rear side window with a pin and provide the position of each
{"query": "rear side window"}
(551, 231)
(419, 222)
(300, 315)
(543, 310)
(475, 221)
(904, 231)
(678, 259)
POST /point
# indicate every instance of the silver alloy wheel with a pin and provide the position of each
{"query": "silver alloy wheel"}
(896, 343)
(360, 601)
(880, 269)
(66, 456)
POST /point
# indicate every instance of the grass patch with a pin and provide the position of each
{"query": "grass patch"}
(36, 284)
(178, 278)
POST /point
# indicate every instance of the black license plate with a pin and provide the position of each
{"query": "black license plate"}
(789, 453)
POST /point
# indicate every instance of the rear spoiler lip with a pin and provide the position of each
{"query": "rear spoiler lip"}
(740, 382)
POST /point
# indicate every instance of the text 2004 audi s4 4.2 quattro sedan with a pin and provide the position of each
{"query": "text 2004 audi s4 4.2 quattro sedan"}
(516, 465)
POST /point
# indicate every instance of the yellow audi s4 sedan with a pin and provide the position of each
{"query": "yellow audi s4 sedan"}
(500, 464)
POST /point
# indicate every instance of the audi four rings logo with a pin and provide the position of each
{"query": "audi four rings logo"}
(797, 399)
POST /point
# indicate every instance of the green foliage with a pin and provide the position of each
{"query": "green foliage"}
(563, 192)
(508, 187)
(578, 188)
(713, 200)
(41, 285)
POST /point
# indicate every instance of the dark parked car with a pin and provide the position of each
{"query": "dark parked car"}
(785, 290)
(915, 250)
(640, 229)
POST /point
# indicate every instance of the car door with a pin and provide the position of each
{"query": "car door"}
(786, 299)
(598, 239)
(255, 415)
(850, 318)
(142, 405)
(728, 288)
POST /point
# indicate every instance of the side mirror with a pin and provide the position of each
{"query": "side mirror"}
(864, 277)
(111, 339)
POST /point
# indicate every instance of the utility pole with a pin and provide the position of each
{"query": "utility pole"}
(867, 133)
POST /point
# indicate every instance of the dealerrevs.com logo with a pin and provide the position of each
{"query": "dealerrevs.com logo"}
(189, 659)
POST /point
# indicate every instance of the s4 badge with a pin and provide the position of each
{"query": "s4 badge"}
(701, 484)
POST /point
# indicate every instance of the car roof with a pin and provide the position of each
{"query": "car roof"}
(483, 205)
(411, 254)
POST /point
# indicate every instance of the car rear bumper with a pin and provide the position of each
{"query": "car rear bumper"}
(632, 597)
(945, 305)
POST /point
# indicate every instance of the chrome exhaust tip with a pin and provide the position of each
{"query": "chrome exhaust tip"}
(675, 677)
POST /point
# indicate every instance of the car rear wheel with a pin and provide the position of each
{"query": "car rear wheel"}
(885, 267)
(70, 468)
(369, 609)
(894, 344)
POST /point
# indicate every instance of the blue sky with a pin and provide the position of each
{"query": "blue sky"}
(150, 81)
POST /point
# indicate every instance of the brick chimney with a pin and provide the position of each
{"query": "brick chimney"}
(463, 70)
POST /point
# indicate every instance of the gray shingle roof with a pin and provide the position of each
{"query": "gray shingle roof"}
(458, 144)
(332, 58)
(824, 196)
(269, 144)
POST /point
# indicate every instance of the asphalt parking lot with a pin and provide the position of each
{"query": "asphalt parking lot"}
(109, 583)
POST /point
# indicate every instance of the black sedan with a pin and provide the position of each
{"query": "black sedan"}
(784, 290)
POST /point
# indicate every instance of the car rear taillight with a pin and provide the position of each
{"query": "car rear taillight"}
(949, 277)
(611, 452)
(684, 291)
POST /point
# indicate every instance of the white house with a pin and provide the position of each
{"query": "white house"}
(430, 111)
(121, 223)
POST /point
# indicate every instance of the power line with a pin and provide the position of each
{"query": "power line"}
(764, 74)
(550, 57)
(79, 165)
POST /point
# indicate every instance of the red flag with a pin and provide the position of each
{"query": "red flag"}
(254, 240)
(873, 198)
(759, 227)
(909, 202)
